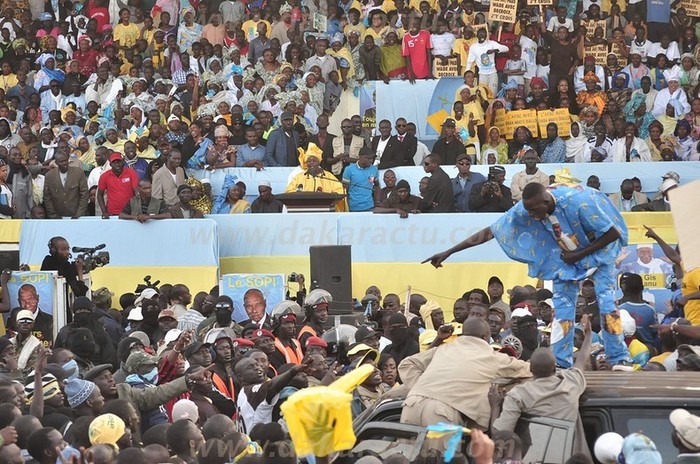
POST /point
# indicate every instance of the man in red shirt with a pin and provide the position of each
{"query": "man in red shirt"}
(119, 184)
(416, 46)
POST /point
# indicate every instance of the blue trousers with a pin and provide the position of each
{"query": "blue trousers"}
(565, 294)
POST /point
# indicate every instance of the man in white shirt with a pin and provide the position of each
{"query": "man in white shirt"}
(529, 54)
(560, 20)
(672, 92)
(322, 59)
(666, 47)
(101, 165)
(587, 66)
(641, 45)
(442, 41)
(483, 54)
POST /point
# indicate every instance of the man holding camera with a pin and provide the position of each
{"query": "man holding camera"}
(491, 196)
(57, 260)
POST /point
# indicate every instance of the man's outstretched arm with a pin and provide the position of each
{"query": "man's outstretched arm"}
(478, 238)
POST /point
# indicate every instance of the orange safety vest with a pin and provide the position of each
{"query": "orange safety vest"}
(307, 329)
(228, 391)
(292, 354)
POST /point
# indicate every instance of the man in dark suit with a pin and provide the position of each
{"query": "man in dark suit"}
(387, 147)
(438, 196)
(408, 143)
(65, 190)
(256, 308)
(323, 139)
(282, 144)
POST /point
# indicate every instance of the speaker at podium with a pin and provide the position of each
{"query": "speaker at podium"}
(331, 270)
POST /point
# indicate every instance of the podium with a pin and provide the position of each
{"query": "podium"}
(310, 202)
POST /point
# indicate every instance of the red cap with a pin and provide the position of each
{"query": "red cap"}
(288, 317)
(262, 333)
(243, 342)
(316, 341)
(115, 157)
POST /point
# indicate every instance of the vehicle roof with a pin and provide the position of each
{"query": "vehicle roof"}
(642, 384)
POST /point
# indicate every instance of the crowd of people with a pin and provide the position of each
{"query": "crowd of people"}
(147, 95)
(160, 376)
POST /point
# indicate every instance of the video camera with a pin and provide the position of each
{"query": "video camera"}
(91, 259)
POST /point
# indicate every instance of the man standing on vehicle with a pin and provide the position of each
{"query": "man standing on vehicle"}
(432, 399)
(564, 234)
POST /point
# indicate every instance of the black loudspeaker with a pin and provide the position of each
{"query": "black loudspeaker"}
(9, 260)
(331, 270)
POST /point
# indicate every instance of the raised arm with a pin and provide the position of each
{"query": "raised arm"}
(583, 358)
(483, 236)
(668, 250)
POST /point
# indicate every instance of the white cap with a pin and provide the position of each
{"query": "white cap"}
(668, 184)
(264, 183)
(205, 181)
(171, 336)
(135, 314)
(645, 246)
(25, 314)
(520, 312)
(143, 338)
(185, 409)
(173, 117)
(608, 447)
(146, 294)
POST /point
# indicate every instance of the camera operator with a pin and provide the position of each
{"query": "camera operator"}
(57, 260)
(491, 196)
(301, 293)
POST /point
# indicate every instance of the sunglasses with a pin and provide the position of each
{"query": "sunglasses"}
(223, 306)
(463, 163)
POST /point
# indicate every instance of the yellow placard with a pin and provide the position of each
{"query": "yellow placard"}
(503, 10)
(559, 116)
(591, 25)
(692, 7)
(621, 60)
(515, 119)
(539, 2)
(448, 70)
(654, 280)
(436, 119)
(500, 120)
(599, 52)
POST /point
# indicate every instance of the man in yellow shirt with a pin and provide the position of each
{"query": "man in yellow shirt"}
(690, 291)
(250, 27)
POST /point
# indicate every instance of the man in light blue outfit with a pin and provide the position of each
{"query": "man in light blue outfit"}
(564, 234)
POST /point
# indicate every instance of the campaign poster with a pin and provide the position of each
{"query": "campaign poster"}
(368, 107)
(656, 270)
(235, 286)
(33, 289)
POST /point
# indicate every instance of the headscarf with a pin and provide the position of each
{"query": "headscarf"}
(19, 43)
(538, 81)
(53, 74)
(222, 131)
(625, 85)
(426, 312)
(203, 203)
(575, 145)
(634, 104)
(312, 150)
(509, 86)
(677, 107)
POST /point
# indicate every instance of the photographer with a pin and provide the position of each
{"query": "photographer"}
(57, 260)
(491, 196)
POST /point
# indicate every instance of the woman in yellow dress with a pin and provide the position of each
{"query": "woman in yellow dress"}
(592, 96)
(377, 28)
